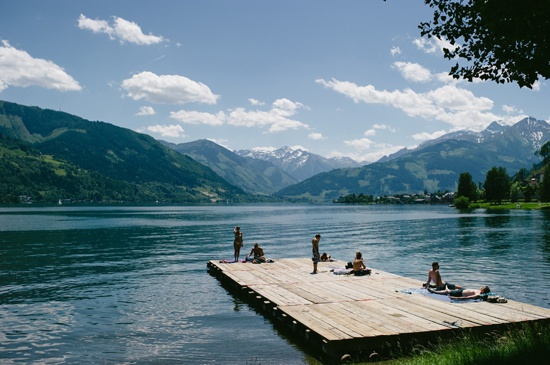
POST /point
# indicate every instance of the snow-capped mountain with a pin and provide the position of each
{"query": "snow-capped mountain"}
(298, 163)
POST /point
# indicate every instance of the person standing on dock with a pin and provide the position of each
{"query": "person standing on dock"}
(237, 242)
(315, 248)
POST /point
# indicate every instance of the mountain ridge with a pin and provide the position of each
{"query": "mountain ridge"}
(117, 154)
(434, 166)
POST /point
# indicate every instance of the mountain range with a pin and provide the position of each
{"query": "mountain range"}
(48, 155)
(433, 166)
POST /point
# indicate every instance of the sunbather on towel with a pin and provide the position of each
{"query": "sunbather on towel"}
(463, 293)
(256, 254)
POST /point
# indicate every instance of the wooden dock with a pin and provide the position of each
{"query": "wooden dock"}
(346, 314)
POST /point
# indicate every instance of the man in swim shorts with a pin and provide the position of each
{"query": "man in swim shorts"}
(433, 275)
(315, 252)
(463, 293)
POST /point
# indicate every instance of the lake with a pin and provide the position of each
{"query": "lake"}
(129, 285)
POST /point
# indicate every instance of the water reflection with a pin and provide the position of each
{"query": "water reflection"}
(130, 285)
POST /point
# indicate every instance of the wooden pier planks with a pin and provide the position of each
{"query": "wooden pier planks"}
(362, 312)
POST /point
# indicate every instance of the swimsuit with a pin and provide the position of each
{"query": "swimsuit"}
(456, 293)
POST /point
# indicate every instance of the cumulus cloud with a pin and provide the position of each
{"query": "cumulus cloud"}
(174, 130)
(413, 71)
(146, 110)
(194, 117)
(433, 45)
(372, 132)
(360, 144)
(509, 109)
(395, 51)
(424, 136)
(255, 102)
(121, 29)
(277, 119)
(20, 69)
(373, 154)
(449, 104)
(169, 89)
(316, 136)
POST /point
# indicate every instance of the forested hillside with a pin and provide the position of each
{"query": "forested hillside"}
(49, 155)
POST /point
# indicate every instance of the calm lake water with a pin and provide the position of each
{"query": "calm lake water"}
(129, 285)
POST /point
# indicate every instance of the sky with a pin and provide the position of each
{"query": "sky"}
(336, 78)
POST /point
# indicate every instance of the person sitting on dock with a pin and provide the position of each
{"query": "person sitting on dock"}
(256, 255)
(463, 293)
(325, 257)
(359, 268)
(433, 275)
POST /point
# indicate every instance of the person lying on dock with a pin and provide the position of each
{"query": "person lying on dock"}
(463, 293)
(433, 275)
(325, 257)
(359, 268)
(256, 255)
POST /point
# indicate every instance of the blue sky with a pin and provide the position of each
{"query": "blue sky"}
(338, 78)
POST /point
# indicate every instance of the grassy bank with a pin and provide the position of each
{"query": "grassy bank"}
(524, 345)
(509, 205)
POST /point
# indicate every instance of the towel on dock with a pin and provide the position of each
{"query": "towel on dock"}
(341, 271)
(444, 298)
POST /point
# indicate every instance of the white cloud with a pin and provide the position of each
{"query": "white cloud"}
(509, 109)
(369, 154)
(384, 126)
(370, 132)
(424, 136)
(277, 119)
(450, 104)
(255, 102)
(121, 29)
(316, 136)
(18, 68)
(360, 144)
(413, 71)
(220, 141)
(146, 110)
(169, 89)
(433, 45)
(395, 51)
(194, 117)
(174, 130)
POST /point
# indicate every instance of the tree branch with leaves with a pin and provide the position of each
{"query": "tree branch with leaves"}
(499, 40)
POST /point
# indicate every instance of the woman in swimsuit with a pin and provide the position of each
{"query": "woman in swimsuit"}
(237, 242)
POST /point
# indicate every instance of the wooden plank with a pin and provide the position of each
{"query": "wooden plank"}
(344, 309)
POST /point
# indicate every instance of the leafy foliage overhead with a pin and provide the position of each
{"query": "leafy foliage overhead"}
(499, 40)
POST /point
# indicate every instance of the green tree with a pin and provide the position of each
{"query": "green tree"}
(544, 152)
(545, 186)
(528, 192)
(466, 187)
(521, 176)
(497, 185)
(498, 40)
(461, 202)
